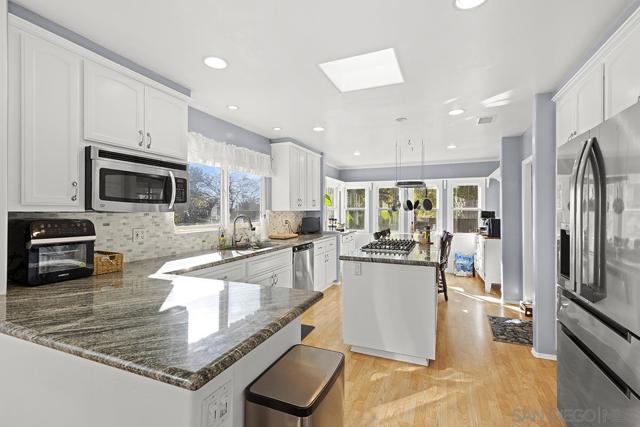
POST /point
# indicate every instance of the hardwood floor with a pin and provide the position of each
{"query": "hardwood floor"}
(474, 380)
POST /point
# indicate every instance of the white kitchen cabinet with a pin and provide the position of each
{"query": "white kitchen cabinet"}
(114, 107)
(296, 178)
(165, 119)
(50, 125)
(488, 261)
(325, 263)
(622, 71)
(282, 277)
(233, 272)
(122, 111)
(313, 196)
(580, 108)
(566, 118)
(348, 243)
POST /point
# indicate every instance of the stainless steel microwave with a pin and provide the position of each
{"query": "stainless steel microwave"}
(121, 182)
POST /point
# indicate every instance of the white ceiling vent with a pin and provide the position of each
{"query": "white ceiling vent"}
(485, 120)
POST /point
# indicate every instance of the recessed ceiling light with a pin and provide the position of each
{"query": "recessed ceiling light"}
(365, 71)
(277, 129)
(401, 119)
(451, 147)
(233, 107)
(468, 4)
(356, 153)
(456, 112)
(318, 129)
(215, 63)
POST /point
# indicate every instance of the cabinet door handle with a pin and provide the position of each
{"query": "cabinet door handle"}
(74, 184)
(141, 142)
(149, 137)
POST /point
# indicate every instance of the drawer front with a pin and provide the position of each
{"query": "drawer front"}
(235, 272)
(587, 395)
(321, 246)
(262, 264)
(281, 277)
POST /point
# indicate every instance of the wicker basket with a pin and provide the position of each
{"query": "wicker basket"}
(107, 262)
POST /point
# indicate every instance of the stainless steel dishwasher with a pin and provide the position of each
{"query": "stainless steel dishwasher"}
(303, 266)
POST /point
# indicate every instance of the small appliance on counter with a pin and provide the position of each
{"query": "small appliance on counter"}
(485, 216)
(44, 251)
(493, 227)
(310, 225)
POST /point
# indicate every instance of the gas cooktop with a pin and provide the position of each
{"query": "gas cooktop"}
(390, 246)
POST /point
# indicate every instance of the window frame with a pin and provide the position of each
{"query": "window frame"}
(451, 184)
(225, 212)
(438, 185)
(402, 196)
(366, 186)
(338, 187)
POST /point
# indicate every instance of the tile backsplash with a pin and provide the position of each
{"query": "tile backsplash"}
(114, 232)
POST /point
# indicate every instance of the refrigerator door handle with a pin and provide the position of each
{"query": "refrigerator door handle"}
(582, 167)
(600, 186)
(574, 211)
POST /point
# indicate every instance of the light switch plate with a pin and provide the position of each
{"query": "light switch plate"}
(217, 407)
(358, 269)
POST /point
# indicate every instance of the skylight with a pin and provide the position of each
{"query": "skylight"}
(364, 71)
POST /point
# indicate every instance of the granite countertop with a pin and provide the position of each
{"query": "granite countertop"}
(184, 263)
(151, 321)
(427, 256)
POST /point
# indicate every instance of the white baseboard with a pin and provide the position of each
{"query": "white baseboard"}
(543, 355)
(389, 355)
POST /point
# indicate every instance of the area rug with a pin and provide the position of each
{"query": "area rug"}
(513, 331)
(306, 330)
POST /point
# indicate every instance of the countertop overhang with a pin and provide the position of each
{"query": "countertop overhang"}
(152, 321)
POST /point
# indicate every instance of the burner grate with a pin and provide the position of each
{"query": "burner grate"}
(391, 246)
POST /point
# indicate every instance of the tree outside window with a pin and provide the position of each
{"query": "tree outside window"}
(466, 208)
(206, 196)
(356, 208)
(387, 217)
(244, 195)
(421, 217)
(203, 206)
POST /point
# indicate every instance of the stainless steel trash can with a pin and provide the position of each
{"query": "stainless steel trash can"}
(304, 388)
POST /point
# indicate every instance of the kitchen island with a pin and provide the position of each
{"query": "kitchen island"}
(390, 304)
(146, 347)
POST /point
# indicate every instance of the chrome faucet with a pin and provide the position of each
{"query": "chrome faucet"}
(233, 236)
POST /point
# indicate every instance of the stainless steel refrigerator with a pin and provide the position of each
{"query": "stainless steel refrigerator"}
(598, 231)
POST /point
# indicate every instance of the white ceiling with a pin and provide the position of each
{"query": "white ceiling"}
(449, 58)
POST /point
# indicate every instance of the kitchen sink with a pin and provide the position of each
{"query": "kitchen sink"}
(253, 246)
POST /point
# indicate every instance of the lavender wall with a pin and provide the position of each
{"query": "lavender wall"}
(511, 223)
(223, 131)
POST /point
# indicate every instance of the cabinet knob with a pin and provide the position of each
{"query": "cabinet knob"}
(141, 142)
(149, 138)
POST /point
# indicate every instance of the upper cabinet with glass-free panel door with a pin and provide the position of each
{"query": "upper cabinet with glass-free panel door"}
(313, 196)
(622, 72)
(113, 107)
(165, 120)
(122, 111)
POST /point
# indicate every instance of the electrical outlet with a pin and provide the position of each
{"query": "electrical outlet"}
(137, 234)
(217, 408)
(358, 269)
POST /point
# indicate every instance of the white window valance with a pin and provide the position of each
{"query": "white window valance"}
(210, 152)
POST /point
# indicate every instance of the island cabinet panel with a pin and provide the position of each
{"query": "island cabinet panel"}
(390, 310)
